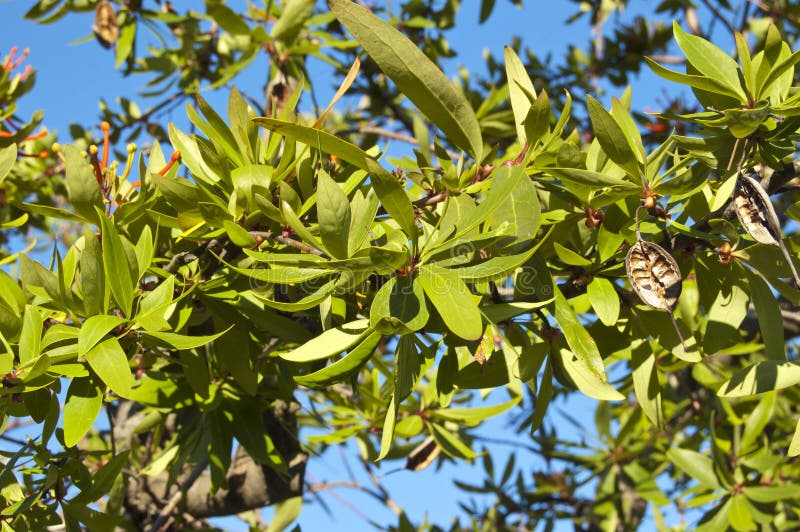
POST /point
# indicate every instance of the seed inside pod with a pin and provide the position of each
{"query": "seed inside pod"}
(105, 25)
(755, 212)
(655, 277)
(757, 216)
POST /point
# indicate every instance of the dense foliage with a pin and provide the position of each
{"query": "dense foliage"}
(224, 303)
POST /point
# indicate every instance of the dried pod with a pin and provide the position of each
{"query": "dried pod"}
(105, 25)
(757, 216)
(655, 277)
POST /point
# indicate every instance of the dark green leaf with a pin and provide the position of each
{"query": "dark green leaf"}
(612, 139)
(82, 405)
(761, 377)
(344, 367)
(333, 213)
(399, 307)
(416, 76)
(115, 264)
(84, 192)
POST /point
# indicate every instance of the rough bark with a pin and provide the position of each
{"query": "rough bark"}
(159, 503)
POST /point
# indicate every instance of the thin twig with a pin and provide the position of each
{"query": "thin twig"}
(719, 16)
(165, 512)
(286, 241)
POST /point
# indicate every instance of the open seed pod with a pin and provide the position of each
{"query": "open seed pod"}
(654, 275)
(757, 216)
(105, 25)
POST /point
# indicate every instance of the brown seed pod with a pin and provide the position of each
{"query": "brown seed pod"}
(105, 25)
(757, 216)
(654, 276)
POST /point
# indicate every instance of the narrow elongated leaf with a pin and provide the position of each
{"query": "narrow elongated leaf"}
(520, 90)
(394, 199)
(698, 82)
(109, 362)
(770, 320)
(317, 139)
(761, 377)
(579, 341)
(344, 367)
(709, 60)
(30, 338)
(451, 297)
(333, 213)
(695, 465)
(471, 417)
(450, 443)
(594, 180)
(299, 228)
(794, 445)
(8, 156)
(416, 76)
(84, 192)
(330, 342)
(388, 429)
(407, 368)
(587, 380)
(180, 341)
(537, 122)
(115, 265)
(544, 395)
(81, 407)
(645, 383)
(756, 421)
(612, 138)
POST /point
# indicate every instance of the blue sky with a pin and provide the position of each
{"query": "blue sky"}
(72, 79)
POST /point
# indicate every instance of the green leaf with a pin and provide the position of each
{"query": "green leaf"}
(698, 82)
(761, 377)
(103, 479)
(744, 122)
(8, 156)
(227, 18)
(387, 435)
(570, 257)
(505, 311)
(299, 228)
(109, 362)
(537, 121)
(330, 342)
(288, 510)
(781, 68)
(81, 407)
(591, 179)
(450, 443)
(239, 235)
(399, 307)
(773, 493)
(520, 90)
(471, 417)
(394, 199)
(95, 329)
(604, 300)
(30, 338)
(579, 341)
(333, 213)
(768, 313)
(407, 368)
(612, 139)
(645, 383)
(497, 266)
(115, 264)
(180, 341)
(756, 422)
(543, 397)
(317, 139)
(344, 367)
(293, 17)
(710, 61)
(451, 297)
(585, 379)
(416, 76)
(794, 445)
(84, 193)
(740, 515)
(695, 465)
